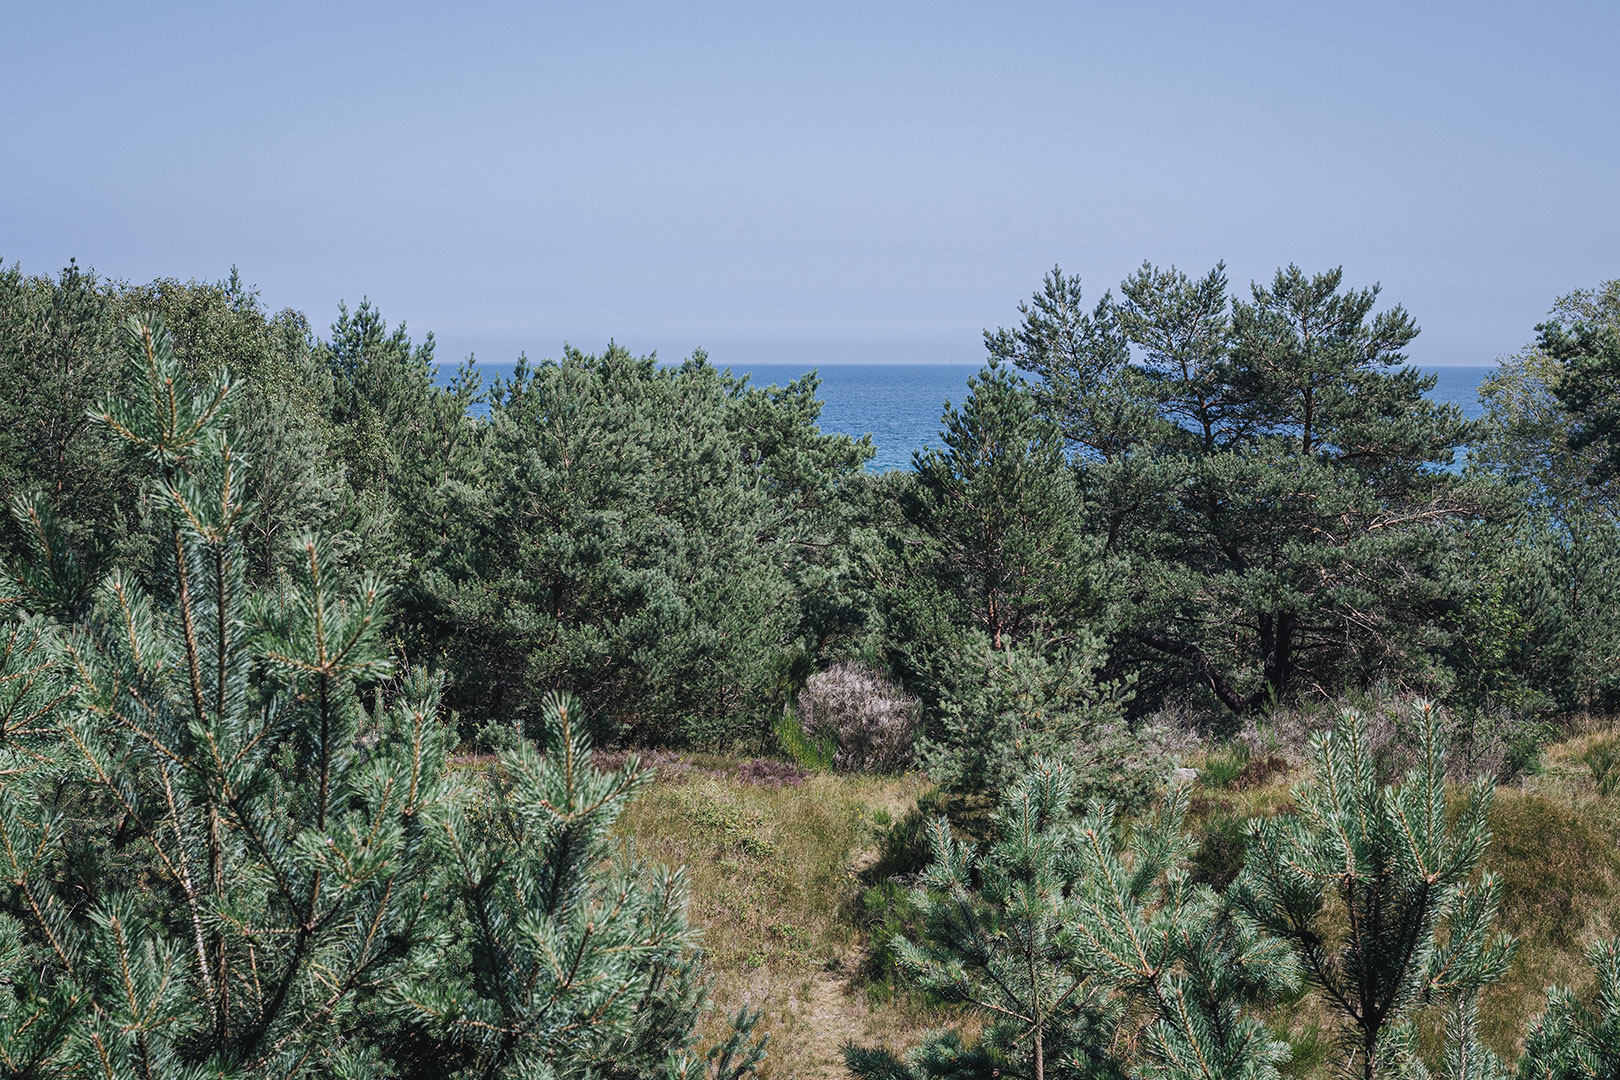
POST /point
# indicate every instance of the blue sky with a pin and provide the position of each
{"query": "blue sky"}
(813, 183)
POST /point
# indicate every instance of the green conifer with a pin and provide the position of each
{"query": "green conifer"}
(570, 964)
(214, 861)
(1374, 888)
(1073, 947)
(1573, 1041)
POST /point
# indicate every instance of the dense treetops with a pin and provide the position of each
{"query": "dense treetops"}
(260, 585)
(218, 861)
(1247, 495)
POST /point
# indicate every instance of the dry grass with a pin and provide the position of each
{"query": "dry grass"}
(774, 887)
(1559, 865)
(776, 881)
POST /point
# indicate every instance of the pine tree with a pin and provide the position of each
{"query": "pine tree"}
(215, 861)
(54, 334)
(35, 1014)
(1267, 467)
(1583, 339)
(994, 939)
(1555, 562)
(997, 604)
(1072, 946)
(1573, 1041)
(627, 546)
(1177, 950)
(1007, 709)
(1374, 890)
(1000, 509)
(274, 845)
(569, 965)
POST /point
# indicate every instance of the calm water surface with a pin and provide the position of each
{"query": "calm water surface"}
(899, 405)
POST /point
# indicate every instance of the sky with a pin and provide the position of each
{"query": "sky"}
(815, 183)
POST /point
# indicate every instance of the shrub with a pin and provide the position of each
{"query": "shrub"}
(765, 772)
(1603, 761)
(865, 713)
(1012, 707)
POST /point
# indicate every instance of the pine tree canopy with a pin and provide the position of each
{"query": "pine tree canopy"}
(1269, 470)
(219, 860)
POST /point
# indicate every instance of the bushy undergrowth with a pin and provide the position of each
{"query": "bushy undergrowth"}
(1499, 743)
(1014, 706)
(805, 929)
(864, 713)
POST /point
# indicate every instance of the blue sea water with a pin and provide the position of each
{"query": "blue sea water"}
(899, 405)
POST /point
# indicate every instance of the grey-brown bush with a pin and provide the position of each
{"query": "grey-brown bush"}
(865, 713)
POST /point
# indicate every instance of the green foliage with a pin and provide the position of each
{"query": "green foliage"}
(995, 939)
(1527, 432)
(1145, 930)
(1267, 468)
(996, 606)
(1001, 515)
(217, 862)
(406, 446)
(55, 336)
(1583, 338)
(576, 955)
(1014, 706)
(1225, 766)
(1574, 1041)
(1058, 932)
(1547, 578)
(1375, 891)
(265, 871)
(640, 541)
(803, 751)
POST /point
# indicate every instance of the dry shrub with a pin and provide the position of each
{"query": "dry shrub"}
(1498, 744)
(665, 763)
(768, 772)
(864, 713)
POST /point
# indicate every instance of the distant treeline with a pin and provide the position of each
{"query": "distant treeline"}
(1180, 498)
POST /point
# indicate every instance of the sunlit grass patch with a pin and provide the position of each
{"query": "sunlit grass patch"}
(775, 883)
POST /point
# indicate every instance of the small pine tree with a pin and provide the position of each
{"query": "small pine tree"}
(1001, 947)
(1572, 1041)
(1374, 890)
(1185, 957)
(1072, 947)
(570, 965)
(272, 847)
(1012, 707)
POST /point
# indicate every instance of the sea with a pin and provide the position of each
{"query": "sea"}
(899, 405)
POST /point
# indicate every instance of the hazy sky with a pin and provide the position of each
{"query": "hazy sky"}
(820, 182)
